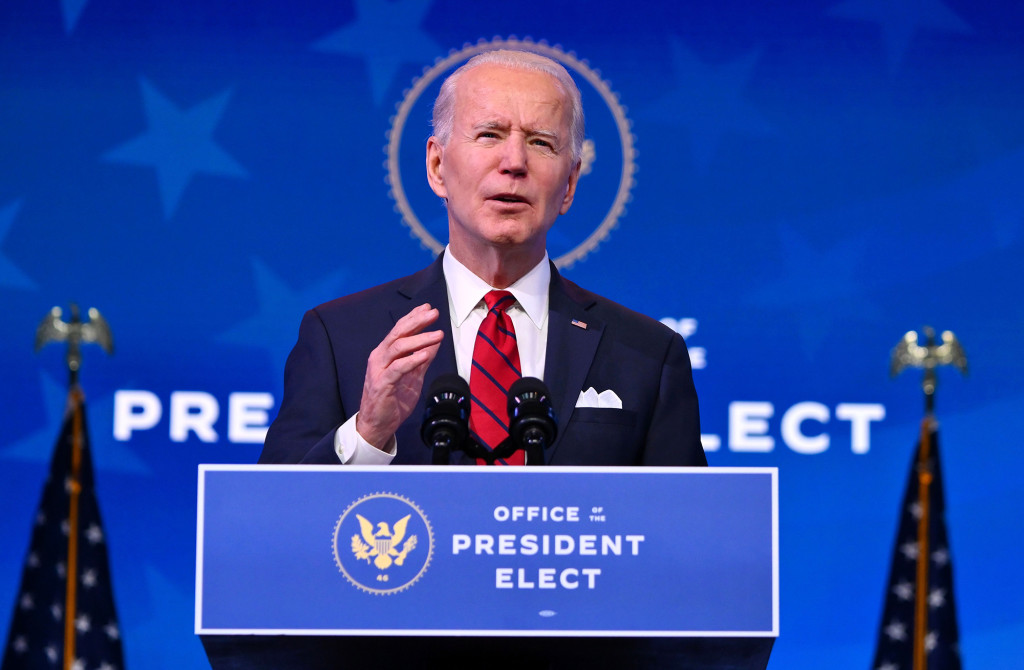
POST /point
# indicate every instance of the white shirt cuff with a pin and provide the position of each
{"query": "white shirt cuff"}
(352, 449)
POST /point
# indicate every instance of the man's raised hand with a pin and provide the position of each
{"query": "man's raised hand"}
(394, 376)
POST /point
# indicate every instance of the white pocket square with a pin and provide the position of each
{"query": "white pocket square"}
(591, 398)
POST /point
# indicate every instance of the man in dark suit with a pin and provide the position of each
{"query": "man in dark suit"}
(505, 157)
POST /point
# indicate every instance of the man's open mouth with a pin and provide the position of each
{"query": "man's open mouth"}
(510, 198)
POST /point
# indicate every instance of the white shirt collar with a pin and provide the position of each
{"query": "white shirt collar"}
(466, 290)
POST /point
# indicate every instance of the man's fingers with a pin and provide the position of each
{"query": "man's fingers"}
(416, 320)
(422, 356)
(394, 375)
(406, 337)
(410, 344)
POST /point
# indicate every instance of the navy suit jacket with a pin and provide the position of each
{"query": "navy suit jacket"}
(592, 342)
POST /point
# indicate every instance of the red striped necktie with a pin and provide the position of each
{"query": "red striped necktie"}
(495, 368)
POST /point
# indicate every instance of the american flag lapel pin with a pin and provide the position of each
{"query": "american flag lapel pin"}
(579, 324)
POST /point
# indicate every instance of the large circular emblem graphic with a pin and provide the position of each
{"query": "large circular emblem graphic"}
(606, 178)
(383, 543)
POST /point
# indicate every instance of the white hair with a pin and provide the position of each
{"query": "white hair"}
(444, 105)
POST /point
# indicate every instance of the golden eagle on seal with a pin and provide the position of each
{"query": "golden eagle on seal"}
(382, 543)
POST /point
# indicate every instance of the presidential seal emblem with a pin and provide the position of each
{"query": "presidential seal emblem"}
(606, 177)
(383, 543)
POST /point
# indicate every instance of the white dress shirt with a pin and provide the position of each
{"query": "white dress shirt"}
(466, 305)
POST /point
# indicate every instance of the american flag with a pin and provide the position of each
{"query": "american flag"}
(39, 633)
(939, 647)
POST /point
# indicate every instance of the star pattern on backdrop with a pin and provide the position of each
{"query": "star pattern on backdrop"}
(819, 287)
(998, 187)
(274, 326)
(386, 35)
(178, 144)
(108, 455)
(901, 20)
(36, 446)
(179, 644)
(719, 109)
(10, 275)
(71, 10)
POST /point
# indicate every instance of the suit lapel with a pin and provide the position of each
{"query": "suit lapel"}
(573, 336)
(428, 286)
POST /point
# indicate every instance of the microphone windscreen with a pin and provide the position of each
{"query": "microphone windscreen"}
(527, 387)
(449, 383)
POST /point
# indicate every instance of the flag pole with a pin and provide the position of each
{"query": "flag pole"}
(908, 353)
(53, 329)
(75, 489)
(924, 483)
(924, 479)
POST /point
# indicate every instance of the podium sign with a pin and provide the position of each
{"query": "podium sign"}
(553, 551)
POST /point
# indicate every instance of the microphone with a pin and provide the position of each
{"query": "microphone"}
(445, 419)
(531, 424)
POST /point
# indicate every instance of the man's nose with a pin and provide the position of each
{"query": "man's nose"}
(513, 156)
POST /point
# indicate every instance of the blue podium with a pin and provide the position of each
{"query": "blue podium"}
(330, 567)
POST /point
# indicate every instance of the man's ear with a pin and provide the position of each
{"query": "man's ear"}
(435, 173)
(570, 191)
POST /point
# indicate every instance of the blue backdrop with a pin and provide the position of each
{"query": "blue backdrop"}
(791, 185)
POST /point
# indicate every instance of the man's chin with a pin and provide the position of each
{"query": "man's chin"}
(505, 234)
(508, 231)
(516, 238)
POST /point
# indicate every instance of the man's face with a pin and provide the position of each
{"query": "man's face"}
(507, 170)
